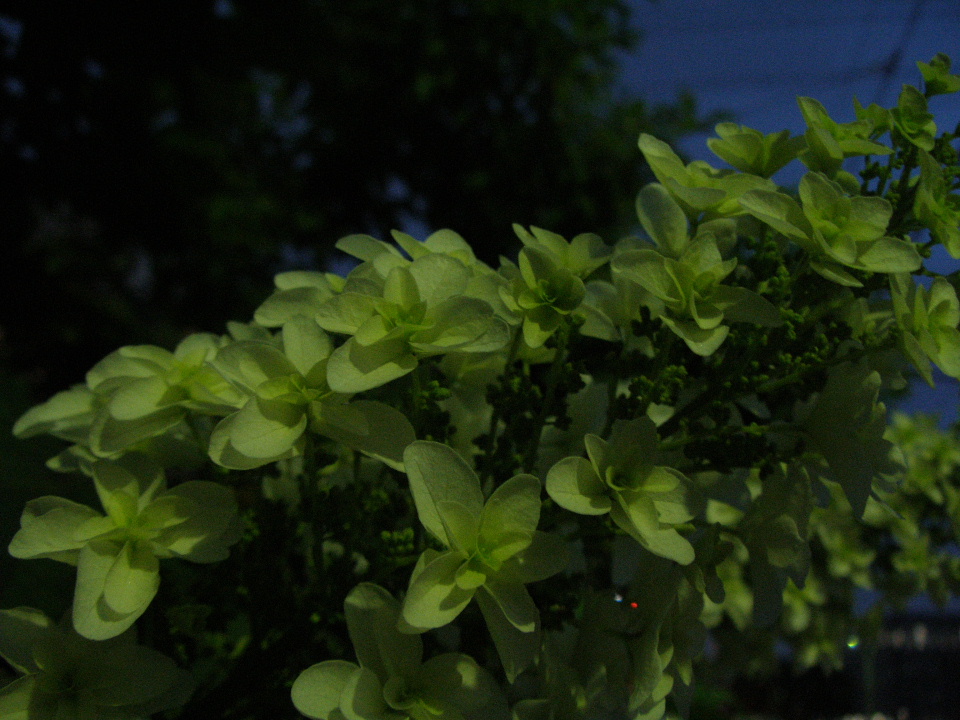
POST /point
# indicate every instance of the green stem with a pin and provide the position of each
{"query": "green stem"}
(611, 399)
(416, 401)
(904, 192)
(553, 375)
(798, 375)
(309, 501)
(665, 339)
(495, 412)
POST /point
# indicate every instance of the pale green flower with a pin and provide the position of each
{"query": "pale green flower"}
(298, 292)
(392, 682)
(937, 78)
(420, 309)
(682, 278)
(646, 500)
(751, 151)
(697, 186)
(67, 677)
(492, 550)
(928, 323)
(830, 142)
(936, 206)
(912, 119)
(287, 396)
(582, 255)
(845, 424)
(117, 555)
(542, 291)
(836, 229)
(136, 397)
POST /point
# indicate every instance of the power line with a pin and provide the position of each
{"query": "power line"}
(892, 64)
(672, 30)
(839, 76)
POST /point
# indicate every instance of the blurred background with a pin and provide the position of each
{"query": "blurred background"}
(163, 160)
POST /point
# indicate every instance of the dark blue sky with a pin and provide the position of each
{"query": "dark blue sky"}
(754, 59)
(757, 57)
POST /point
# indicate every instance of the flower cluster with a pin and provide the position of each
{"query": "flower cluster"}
(614, 449)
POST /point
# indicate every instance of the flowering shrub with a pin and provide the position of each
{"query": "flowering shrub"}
(433, 489)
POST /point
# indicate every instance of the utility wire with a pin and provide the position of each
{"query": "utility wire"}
(737, 26)
(891, 65)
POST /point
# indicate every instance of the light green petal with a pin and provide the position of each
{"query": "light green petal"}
(434, 599)
(544, 557)
(139, 397)
(587, 253)
(444, 241)
(21, 629)
(545, 240)
(664, 162)
(539, 325)
(365, 247)
(401, 288)
(362, 698)
(663, 219)
(890, 255)
(92, 617)
(132, 581)
(515, 603)
(702, 342)
(742, 305)
(286, 304)
(377, 329)
(460, 525)
(137, 474)
(944, 307)
(511, 515)
(163, 513)
(673, 505)
(438, 472)
(385, 433)
(456, 679)
(636, 513)
(316, 691)
(109, 435)
(266, 429)
(779, 211)
(49, 529)
(345, 313)
(210, 528)
(439, 278)
(868, 219)
(818, 194)
(251, 363)
(372, 614)
(948, 352)
(65, 410)
(305, 344)
(834, 273)
(457, 324)
(648, 269)
(697, 199)
(15, 699)
(225, 454)
(574, 485)
(132, 361)
(354, 367)
(517, 650)
(471, 575)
